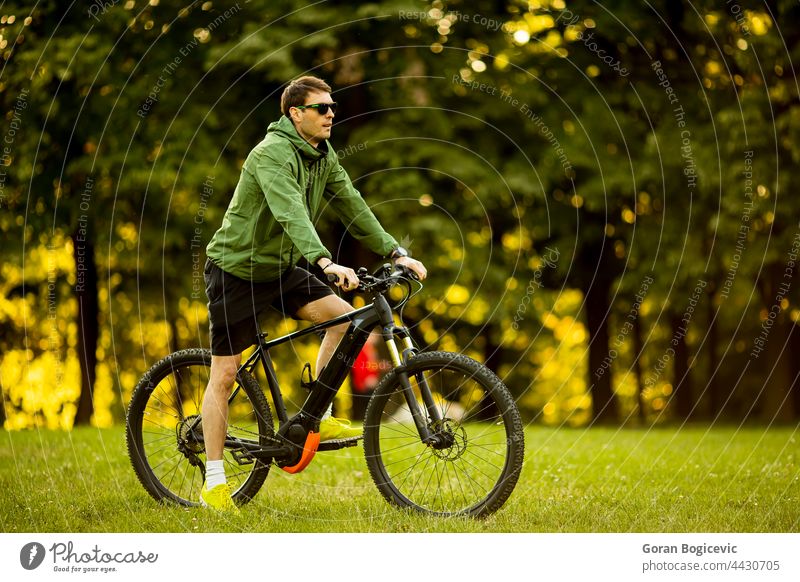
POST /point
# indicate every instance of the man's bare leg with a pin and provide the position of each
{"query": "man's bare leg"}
(215, 403)
(216, 493)
(323, 310)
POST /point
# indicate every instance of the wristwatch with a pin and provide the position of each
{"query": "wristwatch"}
(399, 252)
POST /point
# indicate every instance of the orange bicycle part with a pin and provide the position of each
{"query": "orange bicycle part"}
(309, 450)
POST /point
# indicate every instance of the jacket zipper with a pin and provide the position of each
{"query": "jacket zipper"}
(308, 204)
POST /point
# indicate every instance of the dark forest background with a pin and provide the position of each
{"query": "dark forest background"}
(601, 191)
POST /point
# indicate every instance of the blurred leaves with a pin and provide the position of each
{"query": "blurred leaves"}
(483, 132)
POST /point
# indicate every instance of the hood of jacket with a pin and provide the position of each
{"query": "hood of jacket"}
(286, 129)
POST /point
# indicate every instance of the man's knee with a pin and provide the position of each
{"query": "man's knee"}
(223, 371)
(325, 309)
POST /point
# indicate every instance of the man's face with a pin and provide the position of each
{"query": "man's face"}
(311, 125)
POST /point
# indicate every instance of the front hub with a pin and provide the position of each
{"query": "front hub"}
(449, 439)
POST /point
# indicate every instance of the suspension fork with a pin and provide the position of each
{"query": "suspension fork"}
(389, 332)
(409, 350)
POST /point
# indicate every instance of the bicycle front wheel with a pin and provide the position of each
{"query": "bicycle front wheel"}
(475, 468)
(164, 430)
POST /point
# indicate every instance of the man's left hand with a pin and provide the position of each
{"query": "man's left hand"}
(414, 265)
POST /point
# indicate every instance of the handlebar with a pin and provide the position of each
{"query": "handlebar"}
(383, 278)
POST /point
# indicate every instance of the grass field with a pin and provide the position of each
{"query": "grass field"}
(595, 480)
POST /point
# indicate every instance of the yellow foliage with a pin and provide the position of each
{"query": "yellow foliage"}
(103, 397)
(457, 294)
(516, 241)
(553, 39)
(127, 232)
(480, 238)
(572, 33)
(549, 320)
(501, 61)
(538, 22)
(41, 388)
(475, 313)
(13, 312)
(448, 343)
(759, 22)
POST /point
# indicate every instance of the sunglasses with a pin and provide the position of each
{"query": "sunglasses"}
(322, 108)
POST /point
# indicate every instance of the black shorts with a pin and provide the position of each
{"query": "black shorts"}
(234, 304)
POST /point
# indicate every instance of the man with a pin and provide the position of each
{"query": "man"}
(252, 258)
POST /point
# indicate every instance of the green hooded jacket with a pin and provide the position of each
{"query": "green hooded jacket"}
(269, 223)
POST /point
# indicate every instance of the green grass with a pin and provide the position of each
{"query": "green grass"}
(721, 479)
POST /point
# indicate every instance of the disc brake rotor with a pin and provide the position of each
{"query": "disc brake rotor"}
(455, 434)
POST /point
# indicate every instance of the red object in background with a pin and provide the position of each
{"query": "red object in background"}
(366, 369)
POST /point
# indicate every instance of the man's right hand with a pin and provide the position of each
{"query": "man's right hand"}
(346, 278)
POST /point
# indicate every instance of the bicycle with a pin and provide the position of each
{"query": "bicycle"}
(442, 433)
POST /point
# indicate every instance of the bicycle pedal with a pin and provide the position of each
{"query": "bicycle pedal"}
(336, 444)
(242, 457)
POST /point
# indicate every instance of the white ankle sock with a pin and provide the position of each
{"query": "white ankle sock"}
(328, 413)
(215, 474)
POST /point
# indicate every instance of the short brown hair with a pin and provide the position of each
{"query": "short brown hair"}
(296, 92)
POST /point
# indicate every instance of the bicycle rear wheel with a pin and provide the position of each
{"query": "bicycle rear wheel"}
(164, 443)
(476, 470)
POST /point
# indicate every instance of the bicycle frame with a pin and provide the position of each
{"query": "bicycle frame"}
(362, 322)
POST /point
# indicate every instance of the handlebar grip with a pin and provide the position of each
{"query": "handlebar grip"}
(406, 271)
(332, 278)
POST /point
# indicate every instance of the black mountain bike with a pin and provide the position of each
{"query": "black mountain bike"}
(442, 433)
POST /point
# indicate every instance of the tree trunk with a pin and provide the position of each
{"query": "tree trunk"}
(638, 352)
(776, 400)
(493, 353)
(604, 404)
(681, 382)
(492, 356)
(794, 347)
(2, 410)
(715, 397)
(173, 340)
(88, 328)
(173, 346)
(774, 403)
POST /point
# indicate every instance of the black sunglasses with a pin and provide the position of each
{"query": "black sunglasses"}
(322, 108)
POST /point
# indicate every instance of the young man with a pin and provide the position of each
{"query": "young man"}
(252, 258)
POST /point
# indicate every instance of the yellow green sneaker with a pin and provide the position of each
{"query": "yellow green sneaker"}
(218, 498)
(336, 428)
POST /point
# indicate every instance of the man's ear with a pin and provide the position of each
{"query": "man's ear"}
(294, 114)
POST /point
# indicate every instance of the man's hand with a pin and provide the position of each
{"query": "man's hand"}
(346, 278)
(414, 265)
